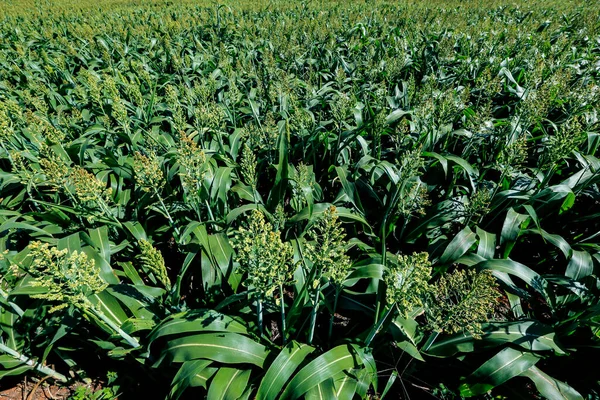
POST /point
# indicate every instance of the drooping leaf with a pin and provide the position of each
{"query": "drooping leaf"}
(228, 384)
(505, 365)
(227, 348)
(328, 365)
(550, 387)
(282, 368)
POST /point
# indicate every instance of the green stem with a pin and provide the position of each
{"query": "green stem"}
(432, 338)
(171, 222)
(335, 301)
(378, 326)
(99, 314)
(282, 305)
(313, 317)
(259, 314)
(12, 305)
(108, 211)
(28, 361)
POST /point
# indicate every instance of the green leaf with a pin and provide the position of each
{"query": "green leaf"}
(580, 265)
(101, 242)
(345, 214)
(323, 391)
(282, 368)
(328, 365)
(505, 365)
(220, 252)
(134, 300)
(183, 378)
(550, 387)
(277, 193)
(228, 384)
(472, 173)
(390, 383)
(530, 335)
(220, 186)
(487, 244)
(15, 371)
(567, 203)
(369, 271)
(461, 243)
(519, 270)
(346, 383)
(227, 348)
(511, 229)
(110, 307)
(136, 230)
(554, 239)
(236, 212)
(396, 115)
(348, 187)
(196, 321)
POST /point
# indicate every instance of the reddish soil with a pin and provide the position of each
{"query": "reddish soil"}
(39, 390)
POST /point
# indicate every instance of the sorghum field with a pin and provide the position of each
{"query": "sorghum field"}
(300, 199)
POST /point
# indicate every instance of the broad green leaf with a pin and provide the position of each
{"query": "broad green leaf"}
(101, 242)
(554, 239)
(282, 368)
(580, 265)
(136, 230)
(110, 307)
(323, 391)
(511, 229)
(220, 252)
(184, 376)
(347, 187)
(196, 321)
(227, 348)
(344, 213)
(236, 212)
(530, 335)
(519, 270)
(134, 300)
(396, 115)
(568, 203)
(328, 365)
(201, 378)
(277, 193)
(390, 383)
(370, 271)
(228, 384)
(549, 387)
(487, 244)
(461, 243)
(505, 365)
(472, 172)
(345, 384)
(15, 371)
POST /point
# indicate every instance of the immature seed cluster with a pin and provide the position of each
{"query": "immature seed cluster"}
(460, 301)
(68, 279)
(263, 255)
(148, 173)
(407, 281)
(154, 262)
(326, 249)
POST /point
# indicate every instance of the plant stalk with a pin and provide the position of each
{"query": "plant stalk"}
(38, 367)
(282, 308)
(313, 317)
(335, 302)
(259, 314)
(131, 341)
(378, 326)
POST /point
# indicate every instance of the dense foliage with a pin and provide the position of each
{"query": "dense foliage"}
(302, 199)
